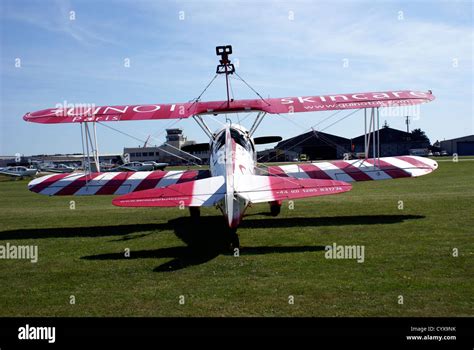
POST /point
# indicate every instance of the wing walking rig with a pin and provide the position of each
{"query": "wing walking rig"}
(233, 181)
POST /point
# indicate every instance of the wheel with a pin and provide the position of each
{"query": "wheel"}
(195, 213)
(275, 209)
(234, 239)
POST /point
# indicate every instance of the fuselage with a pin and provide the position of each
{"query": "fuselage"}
(232, 154)
(18, 171)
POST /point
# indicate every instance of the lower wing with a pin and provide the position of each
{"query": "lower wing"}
(358, 169)
(111, 183)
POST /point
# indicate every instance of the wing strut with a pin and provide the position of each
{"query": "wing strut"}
(256, 123)
(374, 122)
(89, 139)
(203, 126)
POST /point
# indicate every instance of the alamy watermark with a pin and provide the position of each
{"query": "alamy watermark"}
(413, 111)
(24, 252)
(335, 251)
(66, 109)
(37, 333)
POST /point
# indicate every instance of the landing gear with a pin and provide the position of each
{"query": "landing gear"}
(275, 208)
(234, 242)
(195, 213)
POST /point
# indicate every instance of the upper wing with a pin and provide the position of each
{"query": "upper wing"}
(358, 169)
(90, 113)
(348, 101)
(112, 183)
(78, 114)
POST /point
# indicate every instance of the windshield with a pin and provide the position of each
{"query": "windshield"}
(220, 140)
(237, 136)
(240, 139)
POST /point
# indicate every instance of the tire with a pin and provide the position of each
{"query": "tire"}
(275, 209)
(234, 241)
(195, 212)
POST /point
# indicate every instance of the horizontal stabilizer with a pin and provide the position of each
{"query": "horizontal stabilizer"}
(198, 193)
(258, 189)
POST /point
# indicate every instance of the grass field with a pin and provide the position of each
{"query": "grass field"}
(408, 253)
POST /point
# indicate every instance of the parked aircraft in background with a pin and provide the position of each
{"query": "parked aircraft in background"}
(57, 168)
(139, 166)
(18, 171)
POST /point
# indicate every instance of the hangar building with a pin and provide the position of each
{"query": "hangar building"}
(175, 140)
(463, 146)
(316, 145)
(393, 142)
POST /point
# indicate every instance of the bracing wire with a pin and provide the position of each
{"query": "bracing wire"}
(143, 141)
(202, 93)
(312, 128)
(251, 88)
(232, 94)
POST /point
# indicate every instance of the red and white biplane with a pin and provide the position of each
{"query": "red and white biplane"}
(234, 180)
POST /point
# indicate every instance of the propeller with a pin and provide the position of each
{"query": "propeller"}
(267, 139)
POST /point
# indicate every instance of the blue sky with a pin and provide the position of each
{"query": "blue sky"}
(283, 48)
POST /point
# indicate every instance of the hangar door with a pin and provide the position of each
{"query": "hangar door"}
(320, 152)
(466, 148)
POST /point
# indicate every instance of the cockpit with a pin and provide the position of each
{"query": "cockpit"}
(238, 136)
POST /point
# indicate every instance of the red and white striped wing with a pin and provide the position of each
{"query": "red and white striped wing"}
(113, 183)
(358, 169)
(91, 113)
(259, 189)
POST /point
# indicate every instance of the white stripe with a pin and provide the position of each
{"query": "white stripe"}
(39, 180)
(334, 172)
(256, 189)
(427, 161)
(95, 184)
(207, 192)
(60, 184)
(295, 171)
(132, 182)
(372, 171)
(169, 179)
(409, 168)
(104, 178)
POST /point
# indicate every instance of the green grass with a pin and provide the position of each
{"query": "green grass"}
(407, 252)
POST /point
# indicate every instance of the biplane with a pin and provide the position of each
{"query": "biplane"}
(234, 179)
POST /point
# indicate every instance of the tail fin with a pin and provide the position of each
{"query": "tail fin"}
(197, 193)
(258, 189)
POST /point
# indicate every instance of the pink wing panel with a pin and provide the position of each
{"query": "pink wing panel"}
(91, 113)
